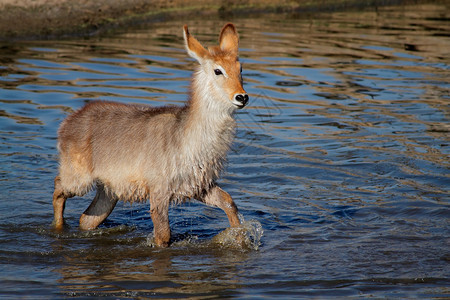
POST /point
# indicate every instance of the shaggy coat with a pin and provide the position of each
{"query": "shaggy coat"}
(165, 154)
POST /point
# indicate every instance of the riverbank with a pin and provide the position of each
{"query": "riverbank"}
(50, 19)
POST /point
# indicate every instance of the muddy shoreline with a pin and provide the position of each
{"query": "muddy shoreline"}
(53, 19)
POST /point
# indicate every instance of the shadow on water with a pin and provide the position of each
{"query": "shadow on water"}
(341, 158)
(119, 261)
(116, 262)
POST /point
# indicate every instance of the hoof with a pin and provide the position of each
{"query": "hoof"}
(58, 225)
(157, 243)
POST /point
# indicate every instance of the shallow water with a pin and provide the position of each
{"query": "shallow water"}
(342, 157)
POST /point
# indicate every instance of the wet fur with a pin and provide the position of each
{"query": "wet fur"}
(166, 154)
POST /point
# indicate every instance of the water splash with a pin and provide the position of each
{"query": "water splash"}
(246, 237)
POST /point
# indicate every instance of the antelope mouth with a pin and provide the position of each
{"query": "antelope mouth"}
(240, 105)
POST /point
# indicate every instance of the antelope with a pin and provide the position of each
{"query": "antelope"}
(164, 155)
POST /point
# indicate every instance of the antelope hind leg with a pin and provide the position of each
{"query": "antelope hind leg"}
(99, 209)
(59, 203)
(218, 197)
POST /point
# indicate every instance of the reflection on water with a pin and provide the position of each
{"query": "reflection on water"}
(342, 156)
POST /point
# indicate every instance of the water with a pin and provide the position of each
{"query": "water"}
(342, 158)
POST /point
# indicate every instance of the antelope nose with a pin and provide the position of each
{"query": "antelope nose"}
(242, 99)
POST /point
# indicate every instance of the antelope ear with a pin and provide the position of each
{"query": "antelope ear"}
(193, 47)
(229, 39)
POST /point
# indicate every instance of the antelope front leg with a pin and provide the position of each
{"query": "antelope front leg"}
(101, 207)
(161, 228)
(218, 197)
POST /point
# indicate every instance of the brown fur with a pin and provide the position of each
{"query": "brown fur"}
(166, 154)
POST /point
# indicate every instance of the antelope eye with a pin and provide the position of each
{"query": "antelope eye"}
(218, 72)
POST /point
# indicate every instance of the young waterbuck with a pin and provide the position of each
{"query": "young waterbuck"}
(166, 154)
